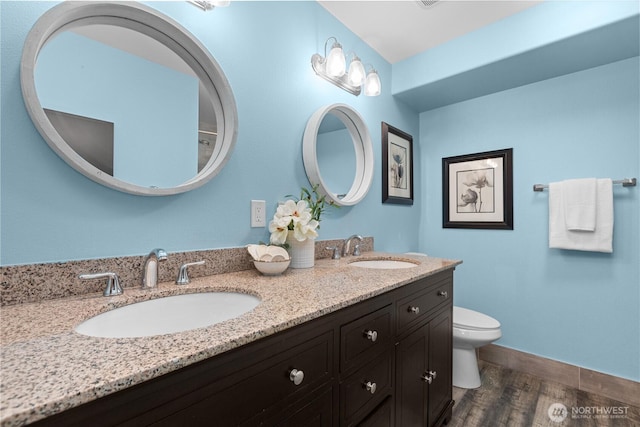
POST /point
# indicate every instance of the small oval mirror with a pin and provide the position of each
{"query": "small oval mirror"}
(338, 154)
(128, 97)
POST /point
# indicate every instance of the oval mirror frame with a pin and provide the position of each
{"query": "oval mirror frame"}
(363, 149)
(141, 18)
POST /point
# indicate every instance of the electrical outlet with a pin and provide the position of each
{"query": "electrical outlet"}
(258, 214)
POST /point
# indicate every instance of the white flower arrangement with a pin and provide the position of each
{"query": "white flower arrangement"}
(301, 216)
(294, 216)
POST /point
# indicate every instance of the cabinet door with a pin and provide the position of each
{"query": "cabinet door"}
(412, 393)
(440, 353)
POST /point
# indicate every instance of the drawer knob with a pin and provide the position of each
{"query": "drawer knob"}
(370, 387)
(371, 335)
(443, 294)
(296, 376)
(428, 377)
(414, 310)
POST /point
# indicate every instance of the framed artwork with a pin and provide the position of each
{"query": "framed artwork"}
(397, 166)
(477, 190)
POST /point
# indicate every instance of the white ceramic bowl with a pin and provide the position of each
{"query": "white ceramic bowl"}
(271, 268)
(268, 253)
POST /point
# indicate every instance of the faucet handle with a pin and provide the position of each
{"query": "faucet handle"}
(183, 277)
(113, 282)
(356, 250)
(336, 252)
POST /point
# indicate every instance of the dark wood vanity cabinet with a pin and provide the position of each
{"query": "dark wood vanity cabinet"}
(382, 362)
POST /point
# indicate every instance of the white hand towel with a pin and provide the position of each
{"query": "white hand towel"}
(599, 240)
(579, 198)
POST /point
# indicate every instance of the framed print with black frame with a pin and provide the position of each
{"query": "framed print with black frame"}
(397, 166)
(477, 190)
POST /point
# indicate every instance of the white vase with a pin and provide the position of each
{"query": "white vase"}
(303, 254)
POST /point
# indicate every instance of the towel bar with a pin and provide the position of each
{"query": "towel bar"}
(626, 182)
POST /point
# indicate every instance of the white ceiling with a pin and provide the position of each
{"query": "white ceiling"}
(403, 28)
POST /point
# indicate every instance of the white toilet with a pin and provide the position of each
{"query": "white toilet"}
(470, 331)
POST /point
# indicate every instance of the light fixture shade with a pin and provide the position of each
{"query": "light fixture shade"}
(372, 84)
(356, 72)
(336, 62)
(203, 4)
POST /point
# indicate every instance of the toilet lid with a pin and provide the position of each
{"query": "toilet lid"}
(466, 318)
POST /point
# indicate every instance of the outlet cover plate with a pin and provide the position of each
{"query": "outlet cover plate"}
(258, 214)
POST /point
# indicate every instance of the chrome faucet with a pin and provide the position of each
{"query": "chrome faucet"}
(347, 245)
(150, 269)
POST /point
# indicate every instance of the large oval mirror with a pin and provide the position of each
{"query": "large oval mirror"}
(338, 154)
(128, 97)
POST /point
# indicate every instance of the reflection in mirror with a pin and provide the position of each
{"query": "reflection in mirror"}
(336, 155)
(149, 97)
(120, 106)
(90, 138)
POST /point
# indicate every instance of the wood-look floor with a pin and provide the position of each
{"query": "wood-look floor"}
(514, 399)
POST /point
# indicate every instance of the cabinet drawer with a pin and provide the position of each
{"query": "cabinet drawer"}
(382, 416)
(365, 337)
(414, 308)
(365, 389)
(261, 386)
(316, 413)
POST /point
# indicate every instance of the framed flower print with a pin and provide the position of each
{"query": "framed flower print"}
(477, 190)
(397, 166)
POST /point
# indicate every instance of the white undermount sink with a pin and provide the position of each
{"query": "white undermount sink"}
(384, 263)
(168, 315)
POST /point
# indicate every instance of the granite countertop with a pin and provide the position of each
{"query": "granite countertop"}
(46, 367)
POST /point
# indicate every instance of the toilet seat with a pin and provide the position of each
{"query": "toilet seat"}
(472, 320)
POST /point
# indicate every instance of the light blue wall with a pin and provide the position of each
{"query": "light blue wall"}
(550, 39)
(49, 212)
(563, 19)
(155, 126)
(578, 307)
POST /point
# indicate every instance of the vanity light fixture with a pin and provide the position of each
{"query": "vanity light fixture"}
(209, 5)
(333, 68)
